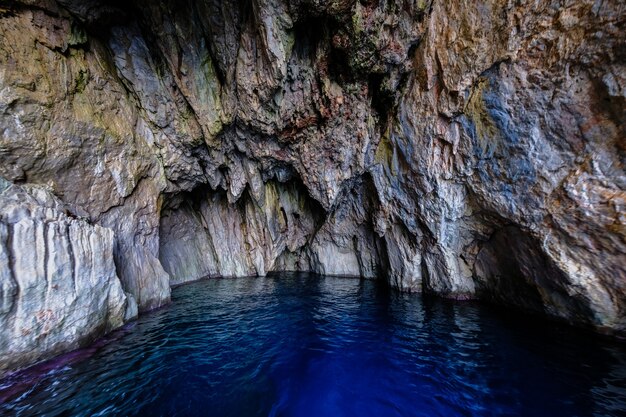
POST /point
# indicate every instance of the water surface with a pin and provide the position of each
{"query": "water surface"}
(302, 345)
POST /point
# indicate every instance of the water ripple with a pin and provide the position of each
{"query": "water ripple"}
(299, 345)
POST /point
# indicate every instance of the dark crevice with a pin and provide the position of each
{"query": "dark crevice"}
(425, 277)
(383, 100)
(613, 107)
(309, 33)
(219, 71)
(248, 13)
(339, 69)
(46, 253)
(11, 261)
(71, 255)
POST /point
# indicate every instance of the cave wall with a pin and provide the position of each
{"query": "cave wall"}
(58, 284)
(449, 147)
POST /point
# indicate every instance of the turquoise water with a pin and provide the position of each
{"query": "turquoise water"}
(302, 345)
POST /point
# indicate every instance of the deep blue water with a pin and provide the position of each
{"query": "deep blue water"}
(301, 345)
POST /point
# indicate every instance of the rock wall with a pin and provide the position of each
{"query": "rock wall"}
(470, 149)
(58, 285)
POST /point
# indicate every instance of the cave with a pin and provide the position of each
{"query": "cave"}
(431, 180)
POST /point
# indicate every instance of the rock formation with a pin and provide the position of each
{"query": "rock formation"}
(469, 149)
(58, 286)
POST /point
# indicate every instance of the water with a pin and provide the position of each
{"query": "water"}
(300, 345)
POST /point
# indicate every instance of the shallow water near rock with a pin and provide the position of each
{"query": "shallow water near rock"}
(303, 345)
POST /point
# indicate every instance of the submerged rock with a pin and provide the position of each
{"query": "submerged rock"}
(58, 286)
(469, 150)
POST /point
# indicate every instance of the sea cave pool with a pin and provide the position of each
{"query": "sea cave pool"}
(304, 345)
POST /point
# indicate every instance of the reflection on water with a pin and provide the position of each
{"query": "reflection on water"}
(301, 345)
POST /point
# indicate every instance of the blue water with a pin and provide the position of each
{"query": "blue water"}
(301, 345)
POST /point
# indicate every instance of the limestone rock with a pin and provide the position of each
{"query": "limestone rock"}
(58, 285)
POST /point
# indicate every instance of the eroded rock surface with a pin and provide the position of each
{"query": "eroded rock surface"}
(470, 149)
(58, 285)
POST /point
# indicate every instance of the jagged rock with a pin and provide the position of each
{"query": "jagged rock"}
(68, 122)
(207, 236)
(58, 285)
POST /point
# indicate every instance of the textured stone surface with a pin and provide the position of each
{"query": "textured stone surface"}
(58, 286)
(470, 149)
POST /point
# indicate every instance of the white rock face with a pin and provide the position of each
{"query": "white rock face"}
(58, 285)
